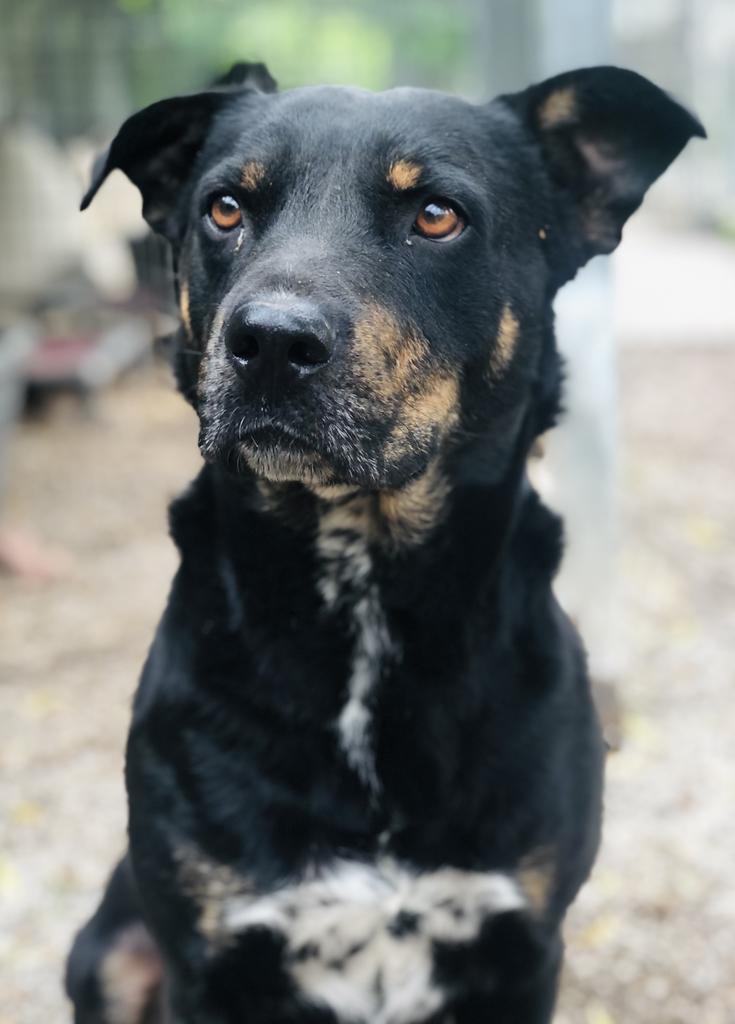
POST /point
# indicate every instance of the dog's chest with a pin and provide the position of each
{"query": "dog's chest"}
(360, 937)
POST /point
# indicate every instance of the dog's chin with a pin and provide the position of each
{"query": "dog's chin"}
(278, 465)
(285, 457)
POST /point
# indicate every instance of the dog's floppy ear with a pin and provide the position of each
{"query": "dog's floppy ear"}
(606, 134)
(157, 147)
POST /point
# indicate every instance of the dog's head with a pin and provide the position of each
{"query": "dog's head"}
(365, 279)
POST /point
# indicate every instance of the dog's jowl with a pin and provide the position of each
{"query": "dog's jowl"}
(364, 771)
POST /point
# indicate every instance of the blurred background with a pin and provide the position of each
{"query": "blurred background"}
(94, 443)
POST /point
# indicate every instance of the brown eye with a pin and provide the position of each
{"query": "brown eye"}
(226, 213)
(439, 220)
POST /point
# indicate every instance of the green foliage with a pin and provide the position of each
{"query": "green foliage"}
(303, 42)
(372, 44)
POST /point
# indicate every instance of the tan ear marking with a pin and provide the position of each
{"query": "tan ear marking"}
(505, 342)
(559, 107)
(404, 174)
(252, 176)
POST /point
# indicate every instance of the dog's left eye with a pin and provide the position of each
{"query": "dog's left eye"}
(440, 221)
(225, 212)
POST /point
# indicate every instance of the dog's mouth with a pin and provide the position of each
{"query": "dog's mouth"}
(272, 434)
(278, 452)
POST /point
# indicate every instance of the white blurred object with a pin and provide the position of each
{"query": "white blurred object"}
(578, 475)
(673, 286)
(40, 231)
(43, 236)
(17, 341)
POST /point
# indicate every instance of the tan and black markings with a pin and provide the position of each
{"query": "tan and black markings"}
(407, 515)
(427, 415)
(211, 381)
(388, 356)
(211, 887)
(184, 308)
(396, 518)
(506, 341)
(348, 528)
(396, 366)
(404, 174)
(559, 108)
(252, 176)
(360, 937)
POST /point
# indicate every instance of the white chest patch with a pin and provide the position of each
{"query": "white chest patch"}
(342, 543)
(359, 937)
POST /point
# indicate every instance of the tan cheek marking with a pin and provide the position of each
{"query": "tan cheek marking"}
(404, 174)
(184, 307)
(387, 357)
(437, 404)
(253, 175)
(558, 108)
(505, 342)
(394, 365)
(433, 408)
(407, 515)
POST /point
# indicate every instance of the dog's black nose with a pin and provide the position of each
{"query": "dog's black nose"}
(279, 340)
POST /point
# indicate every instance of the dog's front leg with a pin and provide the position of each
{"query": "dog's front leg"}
(114, 971)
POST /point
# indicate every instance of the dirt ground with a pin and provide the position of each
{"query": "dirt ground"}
(651, 940)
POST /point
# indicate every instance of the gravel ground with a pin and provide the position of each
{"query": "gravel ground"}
(652, 939)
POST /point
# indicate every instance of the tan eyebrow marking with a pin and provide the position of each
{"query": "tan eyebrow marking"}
(505, 342)
(252, 175)
(404, 174)
(558, 107)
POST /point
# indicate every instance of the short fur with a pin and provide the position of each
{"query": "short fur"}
(364, 770)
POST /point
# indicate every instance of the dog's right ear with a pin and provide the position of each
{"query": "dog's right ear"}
(156, 147)
(605, 135)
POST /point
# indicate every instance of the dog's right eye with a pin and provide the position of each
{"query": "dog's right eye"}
(225, 213)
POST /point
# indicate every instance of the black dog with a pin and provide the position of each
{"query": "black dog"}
(364, 769)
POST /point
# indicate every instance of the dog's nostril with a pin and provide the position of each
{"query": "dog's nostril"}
(307, 352)
(245, 346)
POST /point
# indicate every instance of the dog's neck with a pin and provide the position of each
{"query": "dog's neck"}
(451, 525)
(327, 597)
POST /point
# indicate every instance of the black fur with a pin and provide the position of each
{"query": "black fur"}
(481, 750)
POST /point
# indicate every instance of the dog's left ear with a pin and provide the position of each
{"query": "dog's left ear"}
(606, 134)
(157, 147)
